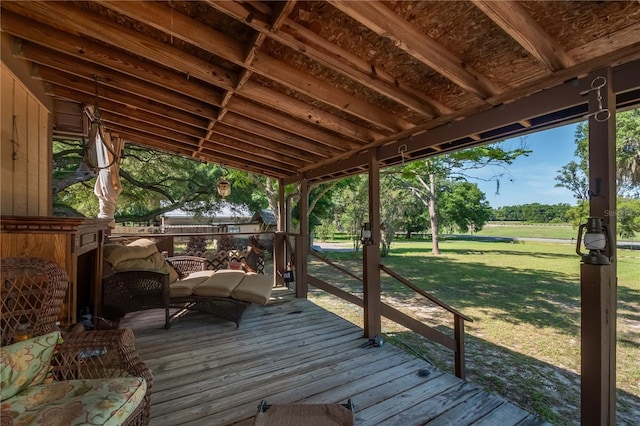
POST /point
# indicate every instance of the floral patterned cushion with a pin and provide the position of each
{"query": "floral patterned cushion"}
(77, 402)
(24, 364)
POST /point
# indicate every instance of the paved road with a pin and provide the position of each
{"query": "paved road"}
(347, 247)
(621, 244)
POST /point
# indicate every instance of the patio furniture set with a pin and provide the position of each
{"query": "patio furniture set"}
(144, 279)
(96, 377)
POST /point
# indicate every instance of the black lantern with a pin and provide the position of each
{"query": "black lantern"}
(597, 240)
(288, 275)
(365, 234)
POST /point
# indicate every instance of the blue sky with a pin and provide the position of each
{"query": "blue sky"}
(531, 179)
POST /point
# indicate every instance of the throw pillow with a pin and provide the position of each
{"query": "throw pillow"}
(26, 363)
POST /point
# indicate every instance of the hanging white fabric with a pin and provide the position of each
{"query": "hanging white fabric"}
(108, 187)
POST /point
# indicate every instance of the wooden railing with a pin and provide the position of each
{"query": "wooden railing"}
(456, 344)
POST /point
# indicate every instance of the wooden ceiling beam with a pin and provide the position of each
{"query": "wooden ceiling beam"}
(91, 52)
(149, 121)
(290, 153)
(289, 124)
(78, 21)
(556, 98)
(310, 113)
(280, 136)
(335, 58)
(381, 20)
(624, 38)
(327, 93)
(517, 23)
(85, 69)
(116, 100)
(117, 108)
(207, 155)
(181, 26)
(244, 158)
(66, 74)
(220, 142)
(265, 95)
(118, 122)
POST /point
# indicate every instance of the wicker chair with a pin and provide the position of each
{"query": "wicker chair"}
(33, 291)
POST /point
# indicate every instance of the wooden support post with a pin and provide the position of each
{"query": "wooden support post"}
(279, 255)
(371, 255)
(597, 380)
(279, 248)
(302, 242)
(458, 330)
(282, 208)
(598, 282)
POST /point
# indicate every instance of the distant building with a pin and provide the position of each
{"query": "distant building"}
(231, 218)
(266, 219)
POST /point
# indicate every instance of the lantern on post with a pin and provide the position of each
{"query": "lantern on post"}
(597, 240)
(365, 234)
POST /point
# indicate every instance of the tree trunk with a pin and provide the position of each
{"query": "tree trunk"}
(432, 214)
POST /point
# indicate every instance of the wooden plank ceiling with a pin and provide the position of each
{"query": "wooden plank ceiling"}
(302, 89)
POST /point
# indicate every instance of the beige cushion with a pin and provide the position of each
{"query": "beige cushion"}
(254, 288)
(116, 253)
(140, 254)
(220, 284)
(207, 274)
(185, 286)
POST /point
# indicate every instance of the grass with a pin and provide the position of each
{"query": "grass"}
(518, 230)
(524, 342)
(528, 231)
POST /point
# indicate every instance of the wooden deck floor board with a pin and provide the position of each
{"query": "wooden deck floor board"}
(236, 352)
(467, 411)
(244, 373)
(271, 384)
(208, 372)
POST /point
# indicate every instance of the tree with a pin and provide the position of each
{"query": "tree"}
(393, 202)
(351, 205)
(464, 205)
(422, 175)
(153, 183)
(628, 217)
(573, 175)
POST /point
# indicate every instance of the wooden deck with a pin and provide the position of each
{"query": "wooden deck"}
(207, 372)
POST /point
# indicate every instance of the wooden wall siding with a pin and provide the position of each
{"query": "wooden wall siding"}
(26, 151)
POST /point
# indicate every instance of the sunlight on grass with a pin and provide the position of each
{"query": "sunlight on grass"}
(524, 299)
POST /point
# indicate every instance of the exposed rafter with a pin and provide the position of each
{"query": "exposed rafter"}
(304, 89)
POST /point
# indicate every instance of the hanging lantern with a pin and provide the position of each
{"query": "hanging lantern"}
(223, 185)
(224, 188)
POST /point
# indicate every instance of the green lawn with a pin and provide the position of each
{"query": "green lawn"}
(524, 342)
(514, 230)
(529, 231)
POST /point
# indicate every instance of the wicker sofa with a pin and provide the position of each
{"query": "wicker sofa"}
(53, 377)
(143, 279)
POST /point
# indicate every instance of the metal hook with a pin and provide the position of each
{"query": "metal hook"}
(602, 114)
(606, 113)
(401, 150)
(595, 86)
